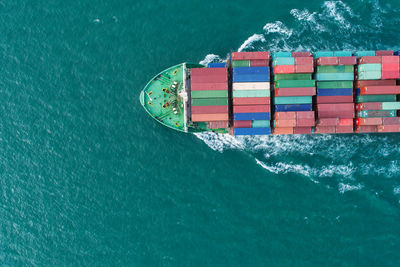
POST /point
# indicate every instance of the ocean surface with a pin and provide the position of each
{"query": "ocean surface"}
(89, 179)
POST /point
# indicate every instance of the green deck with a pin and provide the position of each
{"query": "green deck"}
(159, 98)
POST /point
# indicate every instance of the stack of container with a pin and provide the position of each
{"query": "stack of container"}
(209, 97)
(293, 93)
(251, 93)
(376, 93)
(335, 105)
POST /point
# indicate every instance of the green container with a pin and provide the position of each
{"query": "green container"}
(369, 67)
(334, 76)
(375, 98)
(210, 94)
(342, 53)
(335, 84)
(282, 54)
(261, 124)
(323, 54)
(390, 105)
(210, 102)
(283, 61)
(294, 76)
(370, 75)
(335, 69)
(364, 53)
(251, 93)
(377, 113)
(240, 63)
(288, 100)
(294, 83)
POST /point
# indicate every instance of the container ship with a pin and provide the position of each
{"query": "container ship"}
(262, 93)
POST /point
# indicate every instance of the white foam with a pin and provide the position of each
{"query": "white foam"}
(304, 16)
(251, 40)
(210, 58)
(396, 190)
(337, 10)
(278, 27)
(343, 188)
(219, 142)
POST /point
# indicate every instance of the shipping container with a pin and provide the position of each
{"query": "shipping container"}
(251, 108)
(261, 124)
(377, 113)
(370, 106)
(347, 60)
(302, 130)
(210, 94)
(376, 98)
(218, 124)
(208, 71)
(283, 130)
(369, 121)
(281, 100)
(282, 54)
(388, 128)
(284, 123)
(292, 76)
(364, 53)
(251, 101)
(390, 59)
(216, 65)
(304, 61)
(370, 60)
(303, 68)
(335, 92)
(251, 86)
(369, 75)
(334, 76)
(342, 53)
(334, 99)
(328, 121)
(305, 115)
(334, 84)
(384, 53)
(360, 84)
(369, 67)
(319, 54)
(240, 63)
(208, 86)
(210, 117)
(325, 129)
(301, 54)
(295, 83)
(209, 109)
(346, 122)
(380, 90)
(218, 78)
(335, 69)
(305, 122)
(344, 129)
(366, 129)
(251, 131)
(251, 93)
(391, 120)
(209, 102)
(243, 124)
(283, 61)
(259, 63)
(299, 107)
(386, 75)
(285, 115)
(327, 61)
(250, 78)
(251, 116)
(249, 55)
(250, 70)
(342, 114)
(295, 91)
(281, 69)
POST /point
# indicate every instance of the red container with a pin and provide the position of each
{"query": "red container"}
(208, 86)
(370, 60)
(328, 121)
(281, 69)
(251, 108)
(301, 54)
(336, 107)
(380, 90)
(390, 75)
(304, 61)
(390, 67)
(390, 59)
(209, 109)
(325, 61)
(302, 130)
(242, 124)
(210, 117)
(305, 115)
(285, 115)
(347, 60)
(208, 71)
(305, 122)
(325, 129)
(283, 130)
(343, 114)
(211, 78)
(249, 55)
(303, 68)
(389, 128)
(360, 84)
(334, 99)
(295, 91)
(391, 121)
(251, 101)
(344, 129)
(218, 124)
(366, 129)
(369, 121)
(259, 63)
(285, 123)
(384, 53)
(369, 106)
(345, 122)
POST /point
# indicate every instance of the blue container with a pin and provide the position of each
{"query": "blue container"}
(364, 53)
(251, 78)
(251, 116)
(250, 70)
(251, 131)
(282, 54)
(396, 53)
(323, 54)
(298, 107)
(217, 65)
(335, 92)
(342, 53)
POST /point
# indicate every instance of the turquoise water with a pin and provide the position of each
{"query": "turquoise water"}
(89, 179)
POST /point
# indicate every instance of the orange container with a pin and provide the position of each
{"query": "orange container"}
(283, 130)
(285, 123)
(345, 122)
(285, 115)
(210, 117)
(344, 129)
(369, 121)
